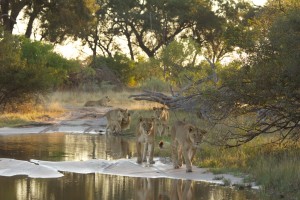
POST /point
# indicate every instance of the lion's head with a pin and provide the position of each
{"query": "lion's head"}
(126, 115)
(196, 135)
(160, 113)
(105, 99)
(146, 125)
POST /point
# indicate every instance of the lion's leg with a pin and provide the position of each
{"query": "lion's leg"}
(175, 155)
(145, 152)
(161, 132)
(163, 129)
(138, 149)
(151, 153)
(106, 129)
(118, 128)
(187, 159)
(166, 130)
(179, 152)
(192, 153)
(188, 189)
(112, 129)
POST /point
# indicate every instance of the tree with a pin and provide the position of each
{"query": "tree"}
(150, 25)
(10, 10)
(226, 30)
(265, 85)
(121, 65)
(58, 19)
(180, 62)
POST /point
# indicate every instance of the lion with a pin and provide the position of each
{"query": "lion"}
(114, 127)
(125, 123)
(161, 113)
(161, 128)
(185, 139)
(145, 136)
(161, 122)
(101, 102)
(120, 116)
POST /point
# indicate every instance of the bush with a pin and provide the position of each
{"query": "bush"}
(28, 69)
(155, 84)
(119, 64)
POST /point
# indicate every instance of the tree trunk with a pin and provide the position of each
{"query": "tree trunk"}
(4, 15)
(33, 15)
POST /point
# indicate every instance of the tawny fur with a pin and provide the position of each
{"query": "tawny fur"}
(121, 116)
(161, 116)
(101, 102)
(113, 127)
(185, 139)
(145, 137)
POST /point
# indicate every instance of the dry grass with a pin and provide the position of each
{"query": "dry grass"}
(37, 113)
(118, 99)
(56, 103)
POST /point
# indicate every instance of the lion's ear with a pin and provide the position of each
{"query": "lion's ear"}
(191, 129)
(141, 119)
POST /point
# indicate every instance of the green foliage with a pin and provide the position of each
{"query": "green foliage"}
(154, 84)
(28, 69)
(274, 168)
(179, 61)
(145, 69)
(121, 65)
(67, 18)
(285, 39)
(278, 172)
(273, 75)
(41, 56)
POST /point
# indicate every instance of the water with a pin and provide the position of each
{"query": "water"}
(76, 147)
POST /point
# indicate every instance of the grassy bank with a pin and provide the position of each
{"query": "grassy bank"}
(32, 114)
(274, 168)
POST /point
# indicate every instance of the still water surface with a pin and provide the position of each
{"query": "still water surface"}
(73, 186)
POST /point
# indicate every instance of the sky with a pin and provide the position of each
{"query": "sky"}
(259, 2)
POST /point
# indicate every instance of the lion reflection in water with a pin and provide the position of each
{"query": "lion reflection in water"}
(147, 189)
(117, 148)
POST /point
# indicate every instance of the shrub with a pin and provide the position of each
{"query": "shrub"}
(155, 84)
(28, 69)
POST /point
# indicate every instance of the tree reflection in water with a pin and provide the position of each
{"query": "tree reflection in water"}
(106, 187)
(67, 147)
